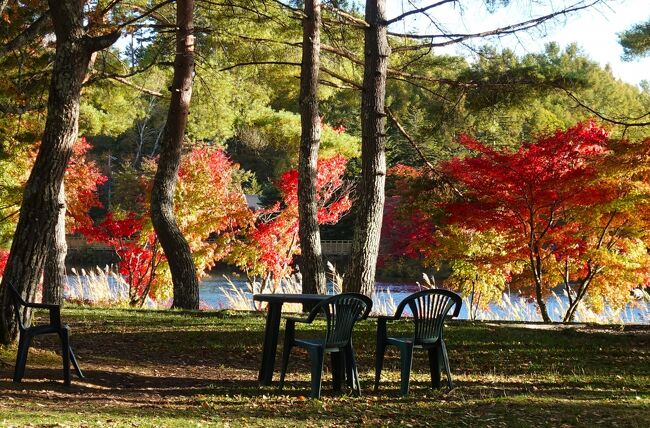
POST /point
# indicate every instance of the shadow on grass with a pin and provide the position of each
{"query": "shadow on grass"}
(177, 365)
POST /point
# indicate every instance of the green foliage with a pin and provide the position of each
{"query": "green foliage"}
(14, 171)
(478, 262)
(269, 144)
(636, 41)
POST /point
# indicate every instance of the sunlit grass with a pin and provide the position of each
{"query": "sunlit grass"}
(175, 368)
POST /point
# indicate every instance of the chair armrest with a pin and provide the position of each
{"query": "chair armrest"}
(55, 311)
(42, 306)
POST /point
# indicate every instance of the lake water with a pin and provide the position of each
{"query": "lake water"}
(214, 292)
(219, 293)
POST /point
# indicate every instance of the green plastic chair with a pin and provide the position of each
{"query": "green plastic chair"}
(26, 334)
(429, 309)
(341, 313)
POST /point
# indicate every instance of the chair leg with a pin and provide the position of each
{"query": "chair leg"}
(355, 371)
(338, 369)
(406, 359)
(379, 362)
(349, 371)
(285, 363)
(434, 366)
(65, 348)
(75, 364)
(316, 356)
(21, 356)
(445, 359)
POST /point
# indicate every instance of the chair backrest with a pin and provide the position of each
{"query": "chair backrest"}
(341, 312)
(17, 302)
(429, 309)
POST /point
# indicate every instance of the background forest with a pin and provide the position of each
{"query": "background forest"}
(243, 137)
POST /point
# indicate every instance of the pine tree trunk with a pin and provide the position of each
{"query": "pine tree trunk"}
(40, 206)
(54, 275)
(174, 244)
(312, 267)
(360, 276)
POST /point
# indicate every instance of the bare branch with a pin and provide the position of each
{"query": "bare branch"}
(606, 118)
(420, 10)
(509, 29)
(146, 13)
(243, 64)
(352, 20)
(291, 8)
(403, 74)
(341, 78)
(424, 88)
(443, 179)
(8, 216)
(138, 87)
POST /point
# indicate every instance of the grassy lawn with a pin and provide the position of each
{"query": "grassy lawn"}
(160, 368)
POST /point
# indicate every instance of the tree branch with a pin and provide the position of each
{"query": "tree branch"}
(508, 29)
(341, 78)
(353, 20)
(420, 10)
(98, 43)
(393, 72)
(146, 13)
(37, 28)
(606, 118)
(138, 87)
(243, 64)
(443, 179)
(14, 109)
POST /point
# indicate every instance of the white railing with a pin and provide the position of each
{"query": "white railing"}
(329, 247)
(336, 248)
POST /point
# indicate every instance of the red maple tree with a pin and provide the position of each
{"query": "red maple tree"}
(560, 210)
(269, 246)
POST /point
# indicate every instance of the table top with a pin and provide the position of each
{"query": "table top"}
(290, 298)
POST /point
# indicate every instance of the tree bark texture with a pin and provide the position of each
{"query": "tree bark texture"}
(54, 275)
(174, 244)
(360, 276)
(40, 205)
(312, 267)
(536, 266)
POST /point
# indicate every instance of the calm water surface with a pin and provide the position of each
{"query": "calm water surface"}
(213, 292)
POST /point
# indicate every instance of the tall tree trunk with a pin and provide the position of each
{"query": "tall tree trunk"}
(40, 206)
(312, 267)
(54, 277)
(174, 244)
(360, 276)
